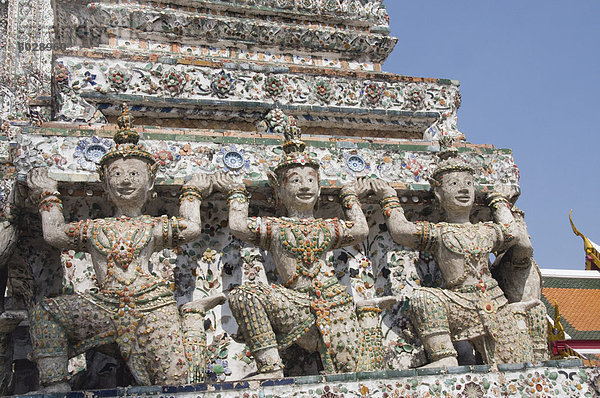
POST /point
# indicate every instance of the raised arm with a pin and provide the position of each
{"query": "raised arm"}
(44, 191)
(356, 228)
(237, 197)
(514, 233)
(402, 231)
(187, 227)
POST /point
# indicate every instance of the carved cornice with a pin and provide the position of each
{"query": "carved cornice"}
(365, 10)
(181, 153)
(349, 12)
(178, 25)
(363, 100)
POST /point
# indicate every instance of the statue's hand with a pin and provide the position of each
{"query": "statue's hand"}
(223, 182)
(203, 182)
(39, 182)
(509, 191)
(205, 303)
(362, 187)
(382, 188)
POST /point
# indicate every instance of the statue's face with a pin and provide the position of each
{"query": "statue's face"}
(456, 191)
(299, 188)
(128, 182)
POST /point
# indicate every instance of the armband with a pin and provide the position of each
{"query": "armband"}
(176, 229)
(349, 198)
(388, 203)
(239, 194)
(496, 199)
(190, 193)
(426, 235)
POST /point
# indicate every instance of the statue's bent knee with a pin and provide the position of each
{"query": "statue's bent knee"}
(246, 303)
(428, 313)
(49, 341)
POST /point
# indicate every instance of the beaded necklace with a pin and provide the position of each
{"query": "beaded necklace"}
(311, 238)
(121, 240)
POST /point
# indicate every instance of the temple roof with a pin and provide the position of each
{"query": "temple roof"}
(592, 250)
(578, 296)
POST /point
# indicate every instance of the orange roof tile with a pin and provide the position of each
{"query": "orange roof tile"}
(580, 307)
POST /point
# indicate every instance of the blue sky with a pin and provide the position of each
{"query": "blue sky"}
(530, 81)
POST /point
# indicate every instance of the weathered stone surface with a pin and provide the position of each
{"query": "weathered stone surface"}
(471, 306)
(201, 76)
(563, 379)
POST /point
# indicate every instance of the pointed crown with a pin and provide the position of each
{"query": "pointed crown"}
(127, 145)
(449, 161)
(293, 147)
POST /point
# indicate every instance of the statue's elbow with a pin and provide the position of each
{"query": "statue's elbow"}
(238, 229)
(522, 254)
(193, 231)
(401, 236)
(55, 238)
(361, 234)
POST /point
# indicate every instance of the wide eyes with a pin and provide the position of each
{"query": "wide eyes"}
(132, 173)
(297, 180)
(455, 183)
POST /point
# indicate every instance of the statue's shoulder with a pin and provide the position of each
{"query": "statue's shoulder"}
(143, 219)
(490, 225)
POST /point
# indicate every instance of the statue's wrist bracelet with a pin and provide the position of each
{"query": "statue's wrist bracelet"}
(496, 200)
(190, 193)
(47, 193)
(349, 198)
(239, 194)
(202, 313)
(390, 202)
(49, 202)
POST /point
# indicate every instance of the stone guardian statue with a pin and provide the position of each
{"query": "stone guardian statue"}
(471, 306)
(131, 307)
(311, 308)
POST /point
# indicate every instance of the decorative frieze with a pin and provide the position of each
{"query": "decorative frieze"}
(372, 11)
(173, 25)
(177, 159)
(374, 95)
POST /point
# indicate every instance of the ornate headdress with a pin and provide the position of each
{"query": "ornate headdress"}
(449, 161)
(293, 147)
(126, 140)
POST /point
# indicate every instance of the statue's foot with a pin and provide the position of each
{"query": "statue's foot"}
(378, 302)
(446, 362)
(58, 387)
(273, 374)
(206, 303)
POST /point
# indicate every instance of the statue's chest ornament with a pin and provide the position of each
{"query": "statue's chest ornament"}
(474, 243)
(121, 240)
(307, 240)
(466, 239)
